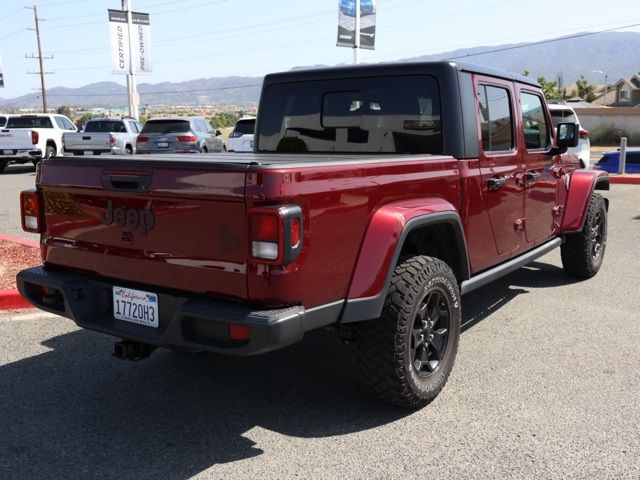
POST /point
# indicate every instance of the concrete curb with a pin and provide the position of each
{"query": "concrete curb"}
(20, 241)
(627, 179)
(11, 299)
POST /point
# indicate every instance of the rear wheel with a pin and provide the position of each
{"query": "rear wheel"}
(49, 152)
(407, 354)
(3, 165)
(582, 253)
(204, 149)
(128, 150)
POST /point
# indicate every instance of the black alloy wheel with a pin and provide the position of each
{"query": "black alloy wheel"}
(430, 335)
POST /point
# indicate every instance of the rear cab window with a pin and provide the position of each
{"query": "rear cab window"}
(245, 127)
(29, 122)
(105, 126)
(166, 126)
(563, 115)
(390, 114)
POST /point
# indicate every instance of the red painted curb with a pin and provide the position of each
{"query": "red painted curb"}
(20, 241)
(625, 179)
(12, 300)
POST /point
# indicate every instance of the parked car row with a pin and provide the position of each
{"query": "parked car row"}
(30, 138)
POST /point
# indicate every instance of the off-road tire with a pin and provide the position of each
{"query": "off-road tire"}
(386, 346)
(583, 252)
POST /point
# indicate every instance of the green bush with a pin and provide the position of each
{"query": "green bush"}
(606, 135)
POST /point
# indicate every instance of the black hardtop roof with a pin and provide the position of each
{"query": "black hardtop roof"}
(398, 68)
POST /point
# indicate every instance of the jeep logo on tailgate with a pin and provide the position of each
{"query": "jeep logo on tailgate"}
(143, 219)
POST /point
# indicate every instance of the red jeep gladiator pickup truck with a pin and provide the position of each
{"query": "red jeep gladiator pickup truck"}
(375, 198)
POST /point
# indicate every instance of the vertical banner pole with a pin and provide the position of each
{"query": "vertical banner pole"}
(356, 47)
(133, 93)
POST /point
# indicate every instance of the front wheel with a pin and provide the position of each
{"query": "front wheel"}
(407, 354)
(582, 253)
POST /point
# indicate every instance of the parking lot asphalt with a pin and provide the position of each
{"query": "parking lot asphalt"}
(546, 385)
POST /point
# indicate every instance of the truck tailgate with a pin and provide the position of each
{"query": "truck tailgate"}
(179, 225)
(15, 140)
(87, 141)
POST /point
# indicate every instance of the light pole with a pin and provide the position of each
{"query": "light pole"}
(606, 77)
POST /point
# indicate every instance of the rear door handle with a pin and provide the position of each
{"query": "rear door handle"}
(532, 176)
(496, 183)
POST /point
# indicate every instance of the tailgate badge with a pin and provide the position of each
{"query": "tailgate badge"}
(143, 219)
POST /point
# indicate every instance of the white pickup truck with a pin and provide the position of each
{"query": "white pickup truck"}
(104, 136)
(30, 138)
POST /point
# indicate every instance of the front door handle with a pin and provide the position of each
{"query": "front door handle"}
(496, 183)
(532, 176)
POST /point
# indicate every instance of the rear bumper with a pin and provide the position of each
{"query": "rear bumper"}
(99, 151)
(192, 323)
(27, 154)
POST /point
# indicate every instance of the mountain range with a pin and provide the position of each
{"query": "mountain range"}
(568, 57)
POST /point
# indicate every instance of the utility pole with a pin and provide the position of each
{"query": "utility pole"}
(40, 59)
(356, 47)
(134, 99)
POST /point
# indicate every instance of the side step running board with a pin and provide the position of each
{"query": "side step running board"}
(508, 267)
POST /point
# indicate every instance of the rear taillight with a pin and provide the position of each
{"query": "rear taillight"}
(187, 138)
(112, 139)
(276, 234)
(30, 211)
(583, 133)
(142, 139)
(35, 137)
(235, 134)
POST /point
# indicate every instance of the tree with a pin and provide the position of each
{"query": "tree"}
(64, 110)
(224, 119)
(550, 89)
(82, 120)
(585, 89)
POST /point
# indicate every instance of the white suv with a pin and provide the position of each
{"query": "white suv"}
(560, 113)
(241, 139)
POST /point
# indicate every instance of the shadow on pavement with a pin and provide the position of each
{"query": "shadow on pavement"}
(481, 303)
(19, 169)
(75, 412)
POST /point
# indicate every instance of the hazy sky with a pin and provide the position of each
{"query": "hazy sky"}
(199, 38)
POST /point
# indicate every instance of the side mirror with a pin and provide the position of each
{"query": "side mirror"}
(218, 133)
(567, 135)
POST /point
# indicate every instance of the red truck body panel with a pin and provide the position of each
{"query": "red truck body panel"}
(198, 243)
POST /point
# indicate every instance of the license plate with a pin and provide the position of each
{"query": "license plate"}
(88, 153)
(163, 144)
(135, 306)
(7, 152)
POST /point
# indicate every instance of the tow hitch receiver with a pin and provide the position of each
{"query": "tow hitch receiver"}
(134, 351)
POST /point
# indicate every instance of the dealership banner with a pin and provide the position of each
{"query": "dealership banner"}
(347, 23)
(119, 40)
(141, 42)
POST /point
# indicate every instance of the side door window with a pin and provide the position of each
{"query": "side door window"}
(496, 120)
(536, 129)
(59, 121)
